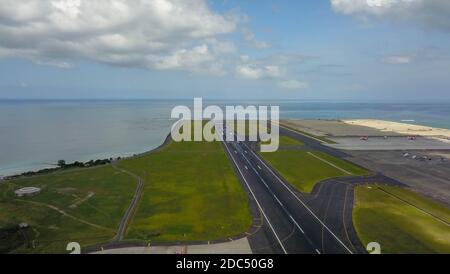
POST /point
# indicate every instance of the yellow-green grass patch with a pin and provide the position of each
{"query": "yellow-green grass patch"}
(191, 193)
(400, 220)
(303, 170)
(82, 205)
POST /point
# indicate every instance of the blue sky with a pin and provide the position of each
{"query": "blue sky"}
(248, 49)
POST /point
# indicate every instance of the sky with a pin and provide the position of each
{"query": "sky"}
(368, 50)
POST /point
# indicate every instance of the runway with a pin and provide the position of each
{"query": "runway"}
(288, 224)
(294, 222)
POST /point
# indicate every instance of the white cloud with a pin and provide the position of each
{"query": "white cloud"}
(427, 13)
(397, 60)
(293, 84)
(159, 34)
(272, 66)
(258, 72)
(251, 40)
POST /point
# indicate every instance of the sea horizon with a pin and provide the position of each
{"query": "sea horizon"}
(90, 129)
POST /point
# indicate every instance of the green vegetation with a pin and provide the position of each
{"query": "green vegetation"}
(83, 205)
(321, 138)
(304, 169)
(286, 141)
(191, 193)
(343, 164)
(401, 220)
(62, 165)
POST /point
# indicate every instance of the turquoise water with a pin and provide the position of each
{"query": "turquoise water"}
(36, 134)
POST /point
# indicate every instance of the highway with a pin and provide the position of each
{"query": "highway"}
(290, 226)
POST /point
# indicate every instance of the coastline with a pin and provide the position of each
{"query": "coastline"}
(381, 126)
(52, 168)
(403, 128)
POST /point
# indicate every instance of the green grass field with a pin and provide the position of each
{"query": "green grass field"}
(286, 141)
(305, 169)
(82, 205)
(323, 139)
(401, 220)
(191, 193)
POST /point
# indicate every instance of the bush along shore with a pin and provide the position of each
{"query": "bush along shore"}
(62, 165)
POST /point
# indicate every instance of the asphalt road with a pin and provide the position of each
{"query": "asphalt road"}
(134, 202)
(295, 222)
(289, 224)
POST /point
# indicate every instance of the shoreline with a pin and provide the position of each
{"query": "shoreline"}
(54, 168)
(382, 126)
(402, 128)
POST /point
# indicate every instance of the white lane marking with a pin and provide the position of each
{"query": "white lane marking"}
(246, 167)
(281, 204)
(256, 200)
(331, 164)
(296, 224)
(259, 167)
(284, 209)
(235, 152)
(318, 252)
(307, 208)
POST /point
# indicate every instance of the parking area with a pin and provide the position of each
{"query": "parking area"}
(427, 172)
(389, 143)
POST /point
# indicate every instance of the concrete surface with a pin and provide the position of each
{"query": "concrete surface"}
(391, 143)
(240, 246)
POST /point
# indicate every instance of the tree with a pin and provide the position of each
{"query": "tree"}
(61, 163)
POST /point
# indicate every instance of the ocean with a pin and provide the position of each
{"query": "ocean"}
(36, 134)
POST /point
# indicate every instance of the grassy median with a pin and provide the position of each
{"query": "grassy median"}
(191, 193)
(401, 221)
(304, 169)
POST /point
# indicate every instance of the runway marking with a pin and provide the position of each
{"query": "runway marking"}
(343, 217)
(326, 213)
(259, 167)
(282, 206)
(278, 200)
(321, 141)
(246, 167)
(257, 202)
(296, 224)
(331, 164)
(318, 252)
(307, 208)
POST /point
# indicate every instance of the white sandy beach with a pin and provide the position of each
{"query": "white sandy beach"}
(402, 128)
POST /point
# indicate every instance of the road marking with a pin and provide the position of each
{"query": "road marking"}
(257, 202)
(307, 208)
(259, 167)
(246, 167)
(296, 224)
(318, 252)
(331, 164)
(273, 194)
(278, 200)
